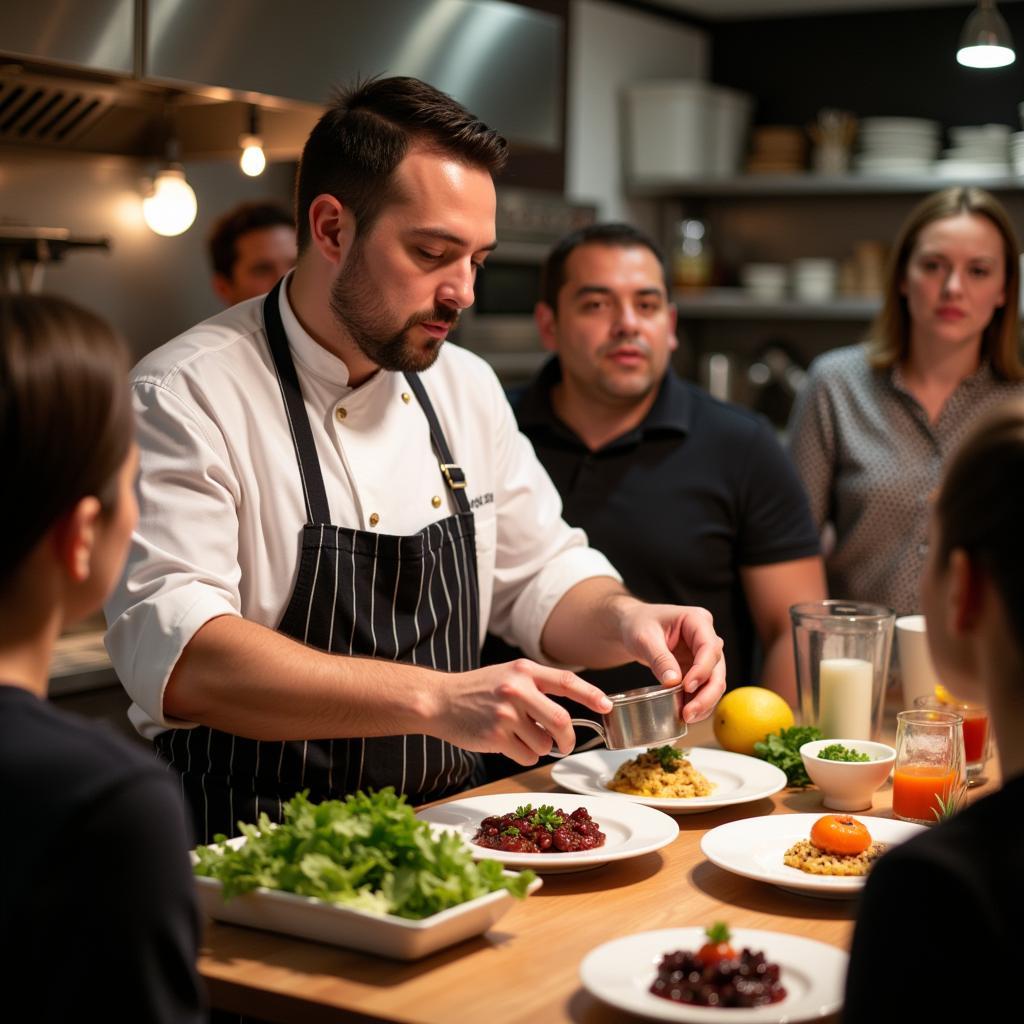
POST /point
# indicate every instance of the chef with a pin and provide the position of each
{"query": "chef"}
(335, 506)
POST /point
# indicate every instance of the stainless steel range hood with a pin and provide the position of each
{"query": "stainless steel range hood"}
(101, 75)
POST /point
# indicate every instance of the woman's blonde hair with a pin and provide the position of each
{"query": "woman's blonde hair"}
(889, 337)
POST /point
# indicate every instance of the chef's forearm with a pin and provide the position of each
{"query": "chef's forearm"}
(585, 627)
(251, 681)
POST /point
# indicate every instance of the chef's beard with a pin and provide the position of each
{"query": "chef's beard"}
(359, 307)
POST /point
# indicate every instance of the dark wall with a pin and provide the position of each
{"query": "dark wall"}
(893, 63)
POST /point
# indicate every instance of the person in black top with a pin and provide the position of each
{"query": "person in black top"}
(938, 933)
(97, 910)
(693, 500)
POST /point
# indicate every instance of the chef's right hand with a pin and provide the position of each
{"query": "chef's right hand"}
(503, 709)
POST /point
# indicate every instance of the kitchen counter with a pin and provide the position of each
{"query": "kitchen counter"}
(526, 969)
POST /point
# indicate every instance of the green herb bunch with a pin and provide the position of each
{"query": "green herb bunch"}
(369, 852)
(782, 749)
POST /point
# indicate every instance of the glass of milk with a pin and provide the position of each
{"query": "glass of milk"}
(842, 665)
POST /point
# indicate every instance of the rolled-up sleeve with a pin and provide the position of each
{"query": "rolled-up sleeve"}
(182, 567)
(538, 557)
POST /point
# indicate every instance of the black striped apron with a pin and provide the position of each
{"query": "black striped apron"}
(412, 599)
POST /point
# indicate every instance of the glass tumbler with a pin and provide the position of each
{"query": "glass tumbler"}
(930, 765)
(975, 728)
(842, 666)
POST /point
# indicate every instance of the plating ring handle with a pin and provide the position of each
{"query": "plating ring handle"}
(586, 723)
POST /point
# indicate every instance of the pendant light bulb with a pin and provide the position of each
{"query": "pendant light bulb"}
(253, 160)
(170, 207)
(986, 41)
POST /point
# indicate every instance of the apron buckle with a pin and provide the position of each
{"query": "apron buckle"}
(454, 475)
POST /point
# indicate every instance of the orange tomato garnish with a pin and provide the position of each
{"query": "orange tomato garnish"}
(840, 834)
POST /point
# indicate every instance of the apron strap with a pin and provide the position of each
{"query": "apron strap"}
(313, 491)
(451, 472)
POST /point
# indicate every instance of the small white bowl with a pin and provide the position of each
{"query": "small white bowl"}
(848, 785)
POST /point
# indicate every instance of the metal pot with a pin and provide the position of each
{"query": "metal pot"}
(649, 716)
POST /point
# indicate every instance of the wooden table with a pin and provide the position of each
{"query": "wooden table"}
(526, 968)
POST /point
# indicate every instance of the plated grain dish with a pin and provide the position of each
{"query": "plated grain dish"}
(839, 845)
(661, 772)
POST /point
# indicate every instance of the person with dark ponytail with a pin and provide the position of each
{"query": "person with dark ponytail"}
(956, 893)
(97, 911)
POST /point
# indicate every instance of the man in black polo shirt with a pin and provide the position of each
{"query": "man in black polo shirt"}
(692, 499)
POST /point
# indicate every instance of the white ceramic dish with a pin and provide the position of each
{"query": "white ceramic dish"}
(848, 785)
(621, 971)
(738, 779)
(754, 848)
(386, 935)
(630, 830)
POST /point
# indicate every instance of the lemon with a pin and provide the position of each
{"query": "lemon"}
(746, 715)
(942, 695)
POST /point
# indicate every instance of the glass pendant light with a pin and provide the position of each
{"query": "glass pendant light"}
(985, 41)
(253, 160)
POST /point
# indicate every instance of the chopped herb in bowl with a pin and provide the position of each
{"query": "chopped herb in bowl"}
(837, 752)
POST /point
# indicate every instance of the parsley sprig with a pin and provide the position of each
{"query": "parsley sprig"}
(669, 757)
(544, 816)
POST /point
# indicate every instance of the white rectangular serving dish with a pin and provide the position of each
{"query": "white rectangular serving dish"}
(384, 934)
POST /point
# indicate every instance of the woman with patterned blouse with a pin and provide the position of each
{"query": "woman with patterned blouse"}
(876, 422)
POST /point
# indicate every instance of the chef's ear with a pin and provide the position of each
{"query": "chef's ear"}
(74, 537)
(544, 318)
(223, 288)
(332, 228)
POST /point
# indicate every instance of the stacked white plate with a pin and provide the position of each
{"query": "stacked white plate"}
(978, 149)
(897, 146)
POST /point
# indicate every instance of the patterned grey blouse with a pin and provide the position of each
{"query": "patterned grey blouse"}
(870, 461)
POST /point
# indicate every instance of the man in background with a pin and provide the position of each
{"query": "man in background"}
(692, 499)
(252, 247)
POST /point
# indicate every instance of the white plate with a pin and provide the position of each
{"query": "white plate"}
(754, 848)
(737, 778)
(629, 830)
(621, 971)
(384, 934)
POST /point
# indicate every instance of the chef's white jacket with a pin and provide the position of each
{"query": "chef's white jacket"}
(221, 506)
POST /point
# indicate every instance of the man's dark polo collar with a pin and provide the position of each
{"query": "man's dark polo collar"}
(671, 412)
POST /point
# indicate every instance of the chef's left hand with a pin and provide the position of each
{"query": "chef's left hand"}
(677, 643)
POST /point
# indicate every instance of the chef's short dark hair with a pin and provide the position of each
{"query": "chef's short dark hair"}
(613, 233)
(238, 221)
(353, 150)
(65, 417)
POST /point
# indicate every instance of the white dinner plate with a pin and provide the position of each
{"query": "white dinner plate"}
(630, 830)
(737, 778)
(754, 848)
(620, 973)
(384, 934)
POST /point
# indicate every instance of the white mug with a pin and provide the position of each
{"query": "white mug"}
(917, 673)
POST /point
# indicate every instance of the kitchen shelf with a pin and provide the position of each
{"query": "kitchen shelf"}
(794, 185)
(737, 304)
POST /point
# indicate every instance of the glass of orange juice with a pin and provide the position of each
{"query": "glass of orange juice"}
(976, 730)
(930, 764)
